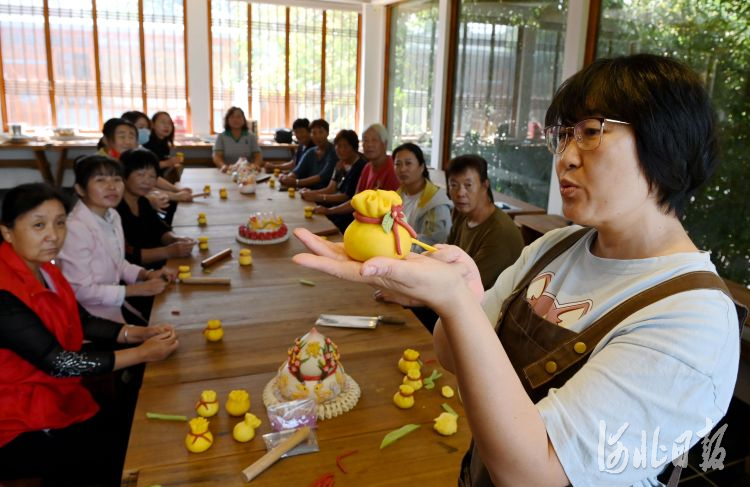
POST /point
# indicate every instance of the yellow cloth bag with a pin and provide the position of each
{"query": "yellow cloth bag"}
(366, 236)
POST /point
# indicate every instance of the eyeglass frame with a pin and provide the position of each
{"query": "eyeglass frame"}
(564, 145)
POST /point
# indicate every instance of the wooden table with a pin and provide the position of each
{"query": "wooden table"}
(262, 313)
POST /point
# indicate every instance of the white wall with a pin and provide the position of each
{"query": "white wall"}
(198, 68)
(372, 69)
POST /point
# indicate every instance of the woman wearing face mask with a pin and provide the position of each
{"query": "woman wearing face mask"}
(50, 425)
(141, 122)
(93, 256)
(161, 143)
(120, 135)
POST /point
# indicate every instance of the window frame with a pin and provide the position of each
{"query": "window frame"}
(287, 104)
(95, 35)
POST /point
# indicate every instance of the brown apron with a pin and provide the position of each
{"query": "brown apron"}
(545, 355)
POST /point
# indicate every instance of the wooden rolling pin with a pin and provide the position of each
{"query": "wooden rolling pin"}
(216, 281)
(270, 458)
(224, 254)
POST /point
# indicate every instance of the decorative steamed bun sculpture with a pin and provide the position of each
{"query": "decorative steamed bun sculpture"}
(379, 227)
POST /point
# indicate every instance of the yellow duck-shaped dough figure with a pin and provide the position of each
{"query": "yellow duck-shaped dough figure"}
(413, 378)
(410, 360)
(238, 402)
(365, 240)
(208, 405)
(404, 398)
(198, 439)
(301, 393)
(321, 394)
(214, 331)
(446, 424)
(244, 431)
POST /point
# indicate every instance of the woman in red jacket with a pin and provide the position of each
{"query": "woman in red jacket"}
(49, 423)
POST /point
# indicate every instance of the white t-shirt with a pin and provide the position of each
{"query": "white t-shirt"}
(671, 366)
(410, 205)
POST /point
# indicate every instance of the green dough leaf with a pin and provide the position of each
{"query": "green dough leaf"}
(396, 435)
(387, 223)
(449, 409)
(306, 282)
(429, 382)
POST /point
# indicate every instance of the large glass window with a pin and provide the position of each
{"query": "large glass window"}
(75, 64)
(508, 65)
(413, 41)
(303, 63)
(713, 38)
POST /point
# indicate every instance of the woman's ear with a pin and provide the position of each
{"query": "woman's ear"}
(6, 233)
(79, 190)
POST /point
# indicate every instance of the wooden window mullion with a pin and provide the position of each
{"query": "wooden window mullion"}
(97, 71)
(50, 72)
(323, 72)
(210, 69)
(142, 47)
(286, 69)
(250, 62)
(359, 67)
(3, 103)
(188, 113)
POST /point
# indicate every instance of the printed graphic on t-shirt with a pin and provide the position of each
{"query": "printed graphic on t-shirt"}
(545, 304)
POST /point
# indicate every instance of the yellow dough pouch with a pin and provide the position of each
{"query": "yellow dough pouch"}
(379, 227)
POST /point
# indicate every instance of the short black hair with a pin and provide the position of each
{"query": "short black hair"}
(25, 197)
(169, 138)
(670, 113)
(301, 123)
(349, 136)
(95, 165)
(137, 159)
(110, 126)
(414, 149)
(460, 164)
(320, 123)
(229, 113)
(134, 115)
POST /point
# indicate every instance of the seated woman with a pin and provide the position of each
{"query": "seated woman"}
(343, 184)
(141, 122)
(161, 143)
(93, 256)
(600, 335)
(301, 130)
(148, 240)
(426, 207)
(120, 135)
(50, 424)
(481, 229)
(316, 167)
(236, 141)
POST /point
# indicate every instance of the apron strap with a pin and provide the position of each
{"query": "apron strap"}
(554, 252)
(579, 347)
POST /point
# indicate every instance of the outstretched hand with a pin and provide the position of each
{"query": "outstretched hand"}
(431, 279)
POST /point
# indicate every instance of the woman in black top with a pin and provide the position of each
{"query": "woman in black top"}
(161, 143)
(149, 241)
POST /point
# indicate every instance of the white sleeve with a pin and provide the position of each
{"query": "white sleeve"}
(664, 373)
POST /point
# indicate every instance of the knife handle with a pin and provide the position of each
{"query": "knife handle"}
(391, 320)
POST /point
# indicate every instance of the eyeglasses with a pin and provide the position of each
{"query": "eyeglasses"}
(587, 132)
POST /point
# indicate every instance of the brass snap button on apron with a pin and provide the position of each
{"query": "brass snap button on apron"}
(579, 348)
(550, 367)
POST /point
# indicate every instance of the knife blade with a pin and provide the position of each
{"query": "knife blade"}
(353, 321)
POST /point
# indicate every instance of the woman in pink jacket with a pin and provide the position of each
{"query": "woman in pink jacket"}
(92, 258)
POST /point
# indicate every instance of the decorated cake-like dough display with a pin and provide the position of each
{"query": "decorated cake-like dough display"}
(313, 370)
(263, 229)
